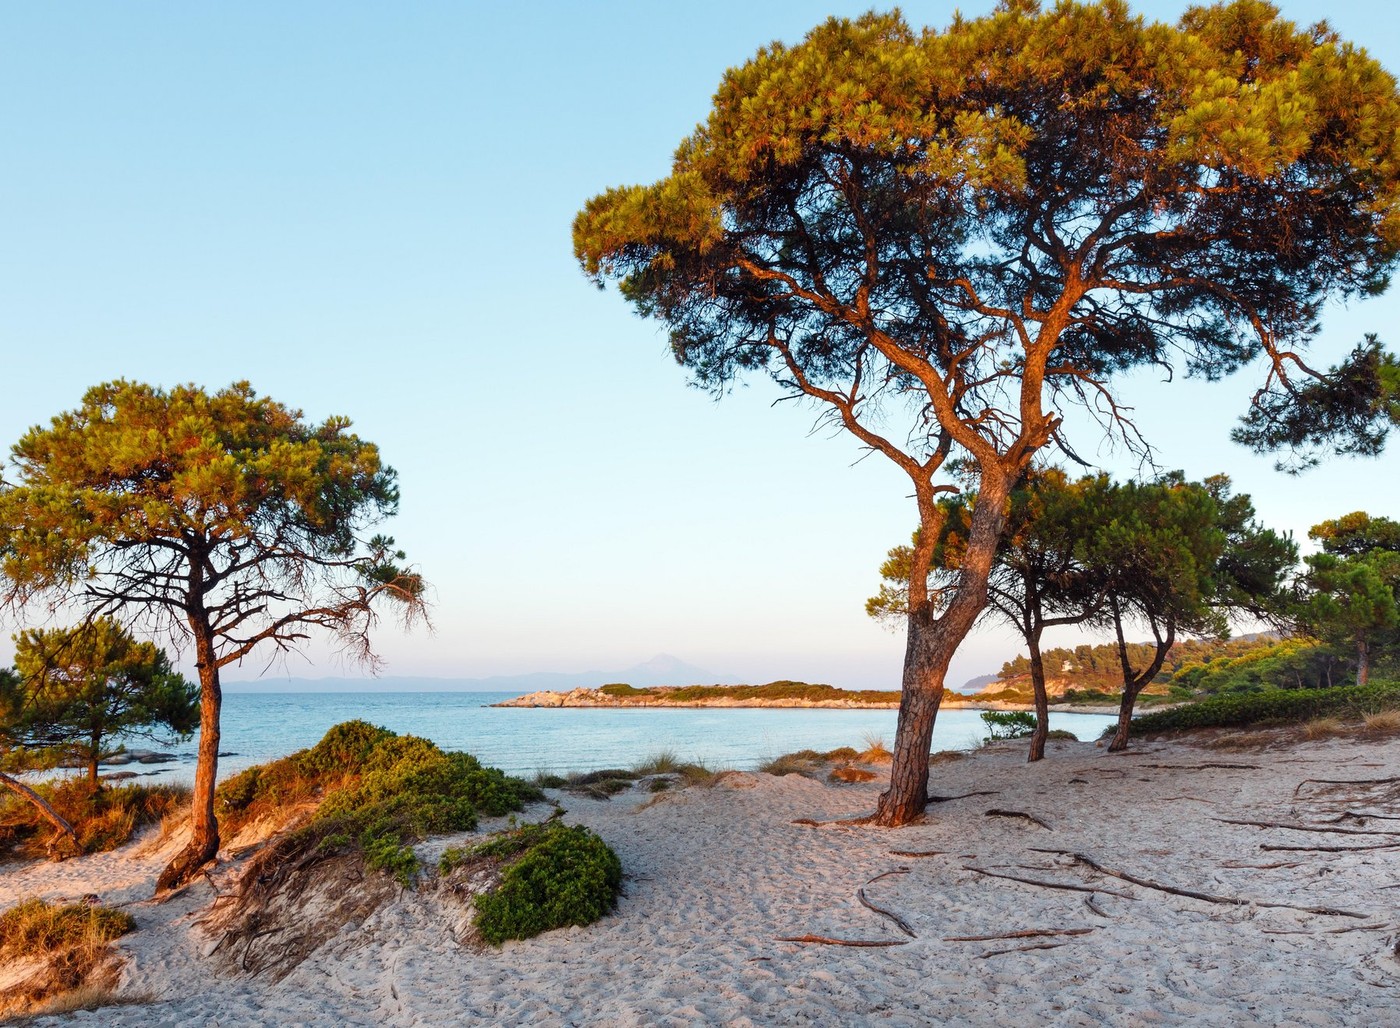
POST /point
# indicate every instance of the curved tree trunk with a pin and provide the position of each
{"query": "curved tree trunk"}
(1134, 683)
(204, 826)
(50, 815)
(1363, 663)
(931, 643)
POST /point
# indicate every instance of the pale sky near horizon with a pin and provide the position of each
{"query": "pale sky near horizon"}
(364, 209)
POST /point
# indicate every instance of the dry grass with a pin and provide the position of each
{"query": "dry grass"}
(790, 764)
(875, 752)
(68, 946)
(947, 756)
(1324, 728)
(87, 997)
(103, 820)
(1381, 722)
(852, 774)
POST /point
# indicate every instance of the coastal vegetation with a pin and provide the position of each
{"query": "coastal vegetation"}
(372, 792)
(944, 239)
(222, 519)
(772, 691)
(1274, 707)
(99, 821)
(551, 875)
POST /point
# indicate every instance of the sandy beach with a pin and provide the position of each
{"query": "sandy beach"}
(716, 876)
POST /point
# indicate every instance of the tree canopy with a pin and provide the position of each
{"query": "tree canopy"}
(221, 518)
(77, 688)
(949, 238)
(1351, 590)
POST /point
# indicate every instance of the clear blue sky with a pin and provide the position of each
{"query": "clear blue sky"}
(364, 209)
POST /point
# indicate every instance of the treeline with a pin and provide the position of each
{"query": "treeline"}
(1099, 667)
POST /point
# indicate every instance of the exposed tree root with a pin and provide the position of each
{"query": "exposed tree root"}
(1302, 828)
(1329, 849)
(887, 874)
(1235, 901)
(1089, 902)
(963, 796)
(1019, 949)
(1236, 865)
(1048, 885)
(1329, 931)
(1204, 767)
(850, 822)
(917, 853)
(1344, 781)
(898, 921)
(995, 812)
(1027, 933)
(822, 940)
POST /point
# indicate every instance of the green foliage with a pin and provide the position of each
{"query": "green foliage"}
(555, 875)
(1008, 724)
(784, 690)
(1277, 706)
(378, 792)
(102, 821)
(1298, 663)
(1062, 735)
(623, 689)
(78, 687)
(35, 927)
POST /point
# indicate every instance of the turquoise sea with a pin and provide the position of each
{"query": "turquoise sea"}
(264, 726)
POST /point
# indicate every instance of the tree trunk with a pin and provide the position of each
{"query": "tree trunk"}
(922, 692)
(931, 643)
(93, 754)
(50, 815)
(1133, 683)
(204, 826)
(1363, 663)
(1042, 698)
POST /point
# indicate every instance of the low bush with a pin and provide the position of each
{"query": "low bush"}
(102, 820)
(1272, 707)
(553, 875)
(623, 690)
(1008, 724)
(378, 792)
(1061, 735)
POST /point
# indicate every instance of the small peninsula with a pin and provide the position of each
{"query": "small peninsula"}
(774, 694)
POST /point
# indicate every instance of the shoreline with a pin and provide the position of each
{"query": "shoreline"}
(586, 699)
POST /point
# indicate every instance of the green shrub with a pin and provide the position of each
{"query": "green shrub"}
(381, 793)
(1273, 706)
(1061, 734)
(1008, 724)
(557, 875)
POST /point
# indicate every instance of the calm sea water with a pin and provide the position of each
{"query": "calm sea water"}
(521, 741)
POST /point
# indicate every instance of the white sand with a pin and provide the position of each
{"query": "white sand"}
(715, 875)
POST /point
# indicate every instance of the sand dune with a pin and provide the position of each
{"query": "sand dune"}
(716, 875)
